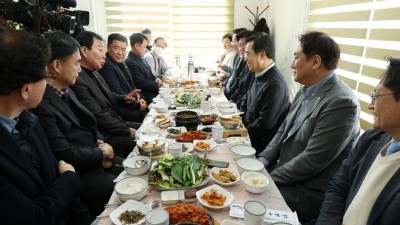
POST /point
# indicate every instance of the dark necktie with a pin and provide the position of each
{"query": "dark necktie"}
(393, 147)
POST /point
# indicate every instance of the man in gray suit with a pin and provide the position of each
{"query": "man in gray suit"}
(320, 129)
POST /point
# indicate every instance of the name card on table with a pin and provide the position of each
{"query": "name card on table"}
(272, 215)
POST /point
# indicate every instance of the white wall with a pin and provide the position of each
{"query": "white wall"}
(285, 18)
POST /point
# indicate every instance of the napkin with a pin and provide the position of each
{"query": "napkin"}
(272, 215)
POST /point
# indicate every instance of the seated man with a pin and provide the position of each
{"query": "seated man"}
(119, 78)
(267, 101)
(142, 76)
(231, 82)
(72, 129)
(244, 78)
(156, 61)
(366, 188)
(147, 32)
(35, 188)
(93, 92)
(321, 128)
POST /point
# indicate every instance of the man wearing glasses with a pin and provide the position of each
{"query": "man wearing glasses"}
(366, 188)
(34, 187)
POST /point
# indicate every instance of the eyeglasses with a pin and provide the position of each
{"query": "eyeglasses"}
(374, 96)
(50, 76)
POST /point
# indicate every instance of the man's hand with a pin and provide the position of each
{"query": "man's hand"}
(107, 150)
(133, 96)
(106, 163)
(159, 82)
(224, 76)
(143, 105)
(63, 167)
(133, 132)
(221, 66)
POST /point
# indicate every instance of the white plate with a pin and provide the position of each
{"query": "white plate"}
(129, 205)
(188, 146)
(150, 130)
(160, 116)
(175, 196)
(208, 141)
(232, 170)
(237, 141)
(228, 201)
(200, 127)
(182, 129)
(170, 121)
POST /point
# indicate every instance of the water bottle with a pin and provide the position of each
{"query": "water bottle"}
(190, 67)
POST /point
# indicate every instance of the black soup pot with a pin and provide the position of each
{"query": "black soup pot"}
(188, 119)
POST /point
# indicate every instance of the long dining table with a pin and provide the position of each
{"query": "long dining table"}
(272, 198)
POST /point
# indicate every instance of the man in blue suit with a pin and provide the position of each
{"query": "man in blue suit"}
(366, 189)
(34, 187)
(321, 128)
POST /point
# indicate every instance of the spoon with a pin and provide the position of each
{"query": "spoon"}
(140, 163)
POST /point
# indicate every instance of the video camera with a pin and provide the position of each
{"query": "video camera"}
(44, 15)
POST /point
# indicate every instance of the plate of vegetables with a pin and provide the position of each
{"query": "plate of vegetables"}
(175, 131)
(186, 99)
(189, 171)
(131, 212)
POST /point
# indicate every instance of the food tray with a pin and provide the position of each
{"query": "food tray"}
(175, 196)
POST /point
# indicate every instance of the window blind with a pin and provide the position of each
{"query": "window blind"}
(189, 26)
(367, 31)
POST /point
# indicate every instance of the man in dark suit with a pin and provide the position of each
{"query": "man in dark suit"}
(321, 128)
(34, 188)
(93, 92)
(366, 189)
(141, 73)
(72, 129)
(119, 79)
(267, 100)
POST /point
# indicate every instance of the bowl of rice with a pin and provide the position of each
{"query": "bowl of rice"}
(131, 188)
(254, 182)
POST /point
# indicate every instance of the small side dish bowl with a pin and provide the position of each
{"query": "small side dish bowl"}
(221, 105)
(131, 188)
(237, 141)
(227, 176)
(131, 165)
(201, 145)
(219, 191)
(249, 165)
(254, 182)
(243, 151)
(161, 108)
(175, 131)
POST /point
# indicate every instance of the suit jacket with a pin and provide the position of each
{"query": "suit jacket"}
(30, 198)
(120, 83)
(71, 139)
(304, 160)
(344, 186)
(102, 103)
(267, 107)
(142, 77)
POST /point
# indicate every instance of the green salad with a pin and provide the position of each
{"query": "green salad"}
(188, 99)
(188, 171)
